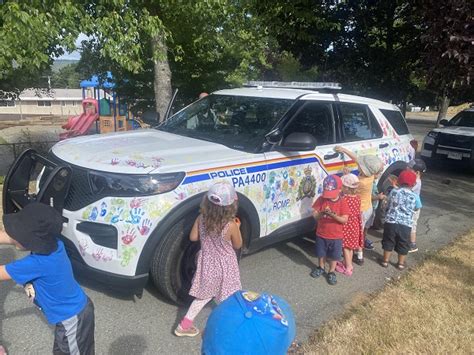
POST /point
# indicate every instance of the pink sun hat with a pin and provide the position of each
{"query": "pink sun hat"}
(350, 180)
(222, 194)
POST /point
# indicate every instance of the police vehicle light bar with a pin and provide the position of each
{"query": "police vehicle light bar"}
(295, 85)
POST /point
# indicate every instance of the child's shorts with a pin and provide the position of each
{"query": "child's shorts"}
(396, 236)
(329, 248)
(76, 334)
(416, 215)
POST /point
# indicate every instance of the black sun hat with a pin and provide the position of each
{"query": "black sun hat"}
(35, 227)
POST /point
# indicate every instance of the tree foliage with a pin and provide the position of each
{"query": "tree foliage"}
(395, 50)
(33, 33)
(66, 77)
(447, 44)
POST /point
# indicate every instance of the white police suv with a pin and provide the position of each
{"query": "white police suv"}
(129, 199)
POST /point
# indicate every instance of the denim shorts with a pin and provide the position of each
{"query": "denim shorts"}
(329, 248)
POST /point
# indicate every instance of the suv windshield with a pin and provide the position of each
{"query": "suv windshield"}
(463, 119)
(239, 122)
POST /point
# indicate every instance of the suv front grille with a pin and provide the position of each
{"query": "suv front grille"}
(451, 140)
(80, 194)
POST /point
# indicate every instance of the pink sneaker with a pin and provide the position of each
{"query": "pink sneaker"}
(347, 272)
(340, 267)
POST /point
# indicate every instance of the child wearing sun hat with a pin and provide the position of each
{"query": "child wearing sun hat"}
(217, 272)
(370, 167)
(353, 238)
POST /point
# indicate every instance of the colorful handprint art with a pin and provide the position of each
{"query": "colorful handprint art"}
(128, 236)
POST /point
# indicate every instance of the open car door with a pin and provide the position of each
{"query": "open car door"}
(33, 177)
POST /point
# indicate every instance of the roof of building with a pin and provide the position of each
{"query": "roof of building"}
(51, 95)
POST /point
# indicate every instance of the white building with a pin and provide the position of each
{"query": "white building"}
(33, 103)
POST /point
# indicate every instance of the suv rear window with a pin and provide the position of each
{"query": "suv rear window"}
(396, 120)
(358, 122)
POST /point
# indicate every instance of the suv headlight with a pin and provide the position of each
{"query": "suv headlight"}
(122, 185)
(433, 134)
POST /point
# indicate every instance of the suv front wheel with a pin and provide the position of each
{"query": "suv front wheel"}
(174, 262)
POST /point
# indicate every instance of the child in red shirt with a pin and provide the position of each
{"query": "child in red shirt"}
(332, 212)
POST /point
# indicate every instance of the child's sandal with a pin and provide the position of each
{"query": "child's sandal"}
(383, 263)
(400, 266)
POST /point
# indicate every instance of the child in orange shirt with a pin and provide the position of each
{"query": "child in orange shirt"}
(370, 168)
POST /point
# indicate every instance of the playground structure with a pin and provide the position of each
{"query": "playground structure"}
(107, 111)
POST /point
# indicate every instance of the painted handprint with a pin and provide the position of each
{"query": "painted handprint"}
(137, 202)
(93, 215)
(156, 162)
(87, 213)
(97, 255)
(136, 215)
(128, 253)
(180, 195)
(116, 215)
(128, 236)
(145, 228)
(107, 257)
(103, 209)
(83, 245)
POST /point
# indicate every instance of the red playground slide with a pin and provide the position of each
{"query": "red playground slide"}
(71, 121)
(80, 125)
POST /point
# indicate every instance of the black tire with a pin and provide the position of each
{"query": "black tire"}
(385, 187)
(173, 264)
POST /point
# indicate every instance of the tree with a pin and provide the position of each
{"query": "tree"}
(66, 77)
(210, 40)
(218, 45)
(448, 48)
(375, 51)
(32, 34)
(368, 46)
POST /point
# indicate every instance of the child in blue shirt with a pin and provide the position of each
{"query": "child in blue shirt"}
(402, 204)
(47, 277)
(418, 166)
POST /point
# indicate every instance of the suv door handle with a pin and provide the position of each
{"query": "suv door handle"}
(383, 145)
(331, 156)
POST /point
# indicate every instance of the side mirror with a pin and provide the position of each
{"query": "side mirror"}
(444, 122)
(274, 137)
(298, 141)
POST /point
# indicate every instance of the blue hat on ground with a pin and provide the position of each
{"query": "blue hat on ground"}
(250, 323)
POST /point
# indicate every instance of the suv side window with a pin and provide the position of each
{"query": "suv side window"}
(396, 120)
(316, 118)
(358, 122)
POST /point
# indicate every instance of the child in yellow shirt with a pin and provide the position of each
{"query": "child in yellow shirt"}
(370, 167)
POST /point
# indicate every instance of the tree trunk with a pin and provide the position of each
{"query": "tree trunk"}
(161, 76)
(404, 108)
(443, 109)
